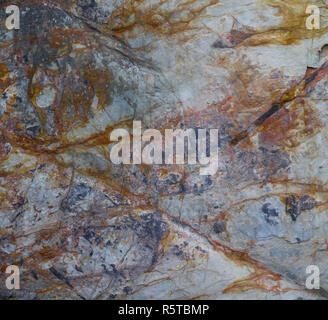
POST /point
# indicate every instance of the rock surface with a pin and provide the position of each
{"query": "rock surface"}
(80, 227)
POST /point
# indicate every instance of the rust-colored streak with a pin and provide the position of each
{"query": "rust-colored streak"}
(298, 91)
(156, 17)
(261, 279)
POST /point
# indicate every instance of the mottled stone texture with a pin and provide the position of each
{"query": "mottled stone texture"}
(80, 227)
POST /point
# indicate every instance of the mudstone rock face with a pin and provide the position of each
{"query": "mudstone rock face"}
(80, 227)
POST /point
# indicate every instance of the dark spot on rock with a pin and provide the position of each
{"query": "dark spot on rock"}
(173, 178)
(127, 290)
(150, 231)
(200, 249)
(208, 181)
(33, 131)
(60, 276)
(77, 268)
(177, 251)
(47, 17)
(18, 204)
(91, 236)
(34, 275)
(220, 44)
(41, 166)
(218, 226)
(92, 12)
(270, 214)
(77, 193)
(182, 188)
(296, 205)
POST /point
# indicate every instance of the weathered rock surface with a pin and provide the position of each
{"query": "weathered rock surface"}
(80, 227)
